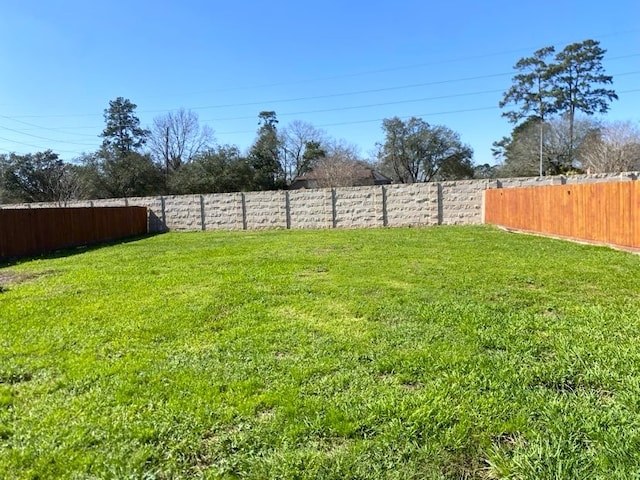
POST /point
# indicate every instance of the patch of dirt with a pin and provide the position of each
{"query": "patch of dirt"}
(7, 277)
(411, 386)
(266, 415)
(464, 466)
(319, 270)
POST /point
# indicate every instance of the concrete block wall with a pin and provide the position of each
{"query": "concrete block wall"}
(182, 213)
(460, 202)
(601, 177)
(437, 203)
(265, 210)
(358, 207)
(411, 204)
(562, 180)
(311, 208)
(222, 211)
(525, 182)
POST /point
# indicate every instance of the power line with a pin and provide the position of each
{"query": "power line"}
(406, 67)
(354, 122)
(2, 127)
(59, 130)
(14, 118)
(75, 152)
(293, 113)
(358, 92)
(372, 120)
(430, 114)
(356, 107)
(298, 99)
(295, 99)
(22, 132)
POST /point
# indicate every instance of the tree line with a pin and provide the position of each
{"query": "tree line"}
(177, 155)
(547, 95)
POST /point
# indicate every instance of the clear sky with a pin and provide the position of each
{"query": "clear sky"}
(342, 65)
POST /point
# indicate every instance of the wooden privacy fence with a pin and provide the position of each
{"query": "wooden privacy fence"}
(39, 230)
(597, 212)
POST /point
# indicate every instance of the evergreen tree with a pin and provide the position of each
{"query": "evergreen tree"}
(122, 133)
(574, 81)
(119, 168)
(264, 155)
(580, 81)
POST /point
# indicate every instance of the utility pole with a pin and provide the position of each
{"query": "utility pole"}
(541, 134)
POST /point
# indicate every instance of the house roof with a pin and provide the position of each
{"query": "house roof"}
(361, 173)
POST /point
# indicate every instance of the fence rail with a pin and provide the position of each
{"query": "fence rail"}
(40, 230)
(598, 212)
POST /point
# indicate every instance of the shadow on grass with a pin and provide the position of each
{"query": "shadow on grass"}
(70, 251)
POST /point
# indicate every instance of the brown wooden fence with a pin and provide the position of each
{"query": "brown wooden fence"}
(597, 212)
(39, 230)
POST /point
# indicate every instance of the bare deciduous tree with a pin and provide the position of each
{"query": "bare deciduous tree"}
(615, 147)
(340, 167)
(177, 137)
(296, 138)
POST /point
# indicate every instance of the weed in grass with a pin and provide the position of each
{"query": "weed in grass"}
(15, 377)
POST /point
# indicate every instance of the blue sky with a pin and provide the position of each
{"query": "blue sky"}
(342, 66)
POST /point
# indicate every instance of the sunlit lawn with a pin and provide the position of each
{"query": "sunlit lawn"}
(446, 352)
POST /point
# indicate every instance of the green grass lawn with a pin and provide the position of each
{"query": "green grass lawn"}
(446, 352)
